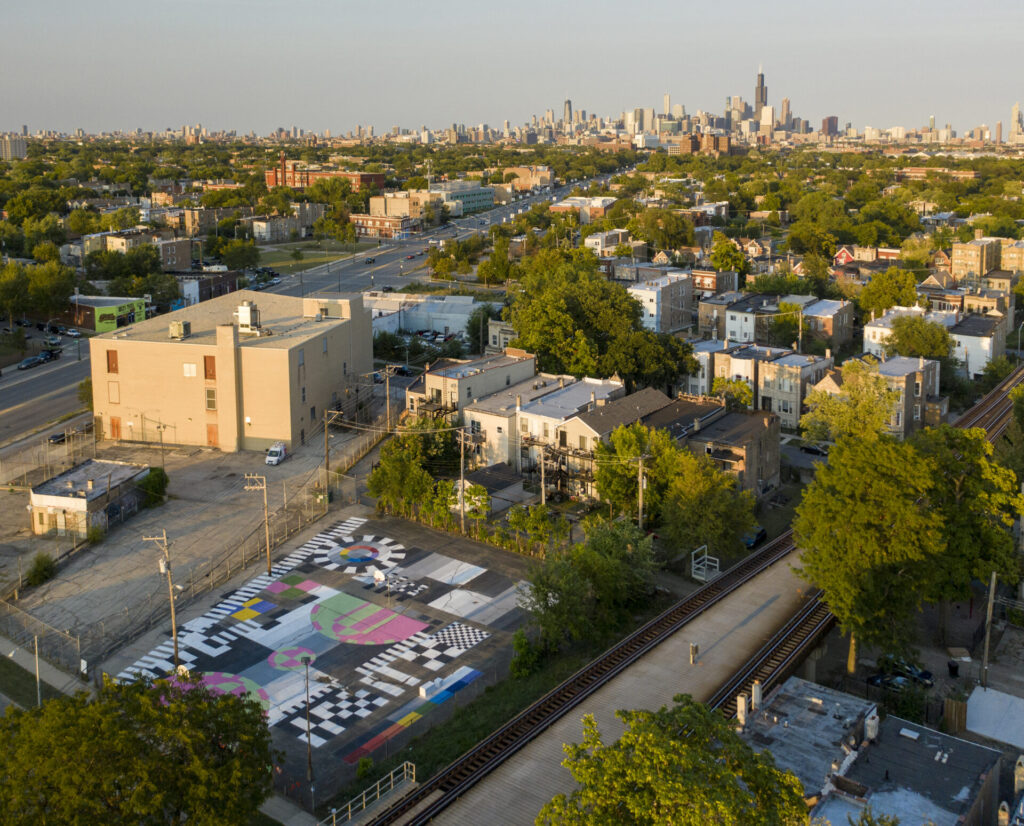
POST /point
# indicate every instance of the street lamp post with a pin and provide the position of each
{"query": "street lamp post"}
(309, 744)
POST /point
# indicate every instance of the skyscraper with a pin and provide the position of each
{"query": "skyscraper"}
(567, 116)
(760, 94)
(667, 107)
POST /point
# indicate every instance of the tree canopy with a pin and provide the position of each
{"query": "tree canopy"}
(915, 336)
(861, 410)
(892, 288)
(137, 753)
(578, 322)
(684, 765)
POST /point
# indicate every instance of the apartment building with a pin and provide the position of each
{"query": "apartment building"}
(712, 312)
(449, 385)
(830, 320)
(299, 175)
(588, 209)
(706, 352)
(784, 382)
(667, 302)
(237, 372)
(529, 177)
(492, 419)
(741, 316)
(540, 422)
(471, 196)
(975, 258)
(604, 243)
(715, 281)
(371, 226)
(746, 364)
(419, 204)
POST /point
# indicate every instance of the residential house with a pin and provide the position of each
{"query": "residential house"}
(831, 321)
(712, 312)
(492, 419)
(784, 382)
(604, 243)
(715, 281)
(706, 351)
(878, 330)
(977, 257)
(449, 385)
(745, 364)
(977, 341)
(499, 335)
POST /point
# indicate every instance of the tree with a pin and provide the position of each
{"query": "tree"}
(49, 287)
(684, 765)
(892, 288)
(914, 336)
(137, 753)
(727, 256)
(14, 297)
(85, 392)
(703, 506)
(737, 393)
(865, 528)
(476, 326)
(862, 409)
(399, 482)
(587, 589)
(239, 255)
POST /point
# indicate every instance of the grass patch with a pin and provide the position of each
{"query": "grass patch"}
(494, 295)
(20, 685)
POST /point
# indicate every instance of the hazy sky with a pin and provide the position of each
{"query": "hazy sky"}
(332, 64)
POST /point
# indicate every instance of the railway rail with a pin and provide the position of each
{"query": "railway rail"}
(775, 660)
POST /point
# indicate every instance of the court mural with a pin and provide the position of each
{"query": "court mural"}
(350, 604)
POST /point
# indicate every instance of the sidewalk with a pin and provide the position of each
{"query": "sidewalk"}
(62, 681)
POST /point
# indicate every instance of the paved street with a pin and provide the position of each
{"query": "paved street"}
(29, 398)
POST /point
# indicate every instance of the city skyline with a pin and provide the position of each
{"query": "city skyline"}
(102, 70)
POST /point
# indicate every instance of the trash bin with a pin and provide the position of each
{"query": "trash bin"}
(954, 668)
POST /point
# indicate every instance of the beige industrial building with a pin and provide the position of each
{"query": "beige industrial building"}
(237, 372)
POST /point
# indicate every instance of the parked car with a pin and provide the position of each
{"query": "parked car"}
(369, 260)
(755, 536)
(58, 438)
(402, 370)
(816, 450)
(74, 334)
(48, 355)
(31, 361)
(410, 257)
(889, 664)
(53, 341)
(387, 288)
(889, 682)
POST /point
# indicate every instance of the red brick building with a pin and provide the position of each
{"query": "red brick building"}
(297, 175)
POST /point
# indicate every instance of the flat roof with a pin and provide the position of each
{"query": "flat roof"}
(733, 428)
(624, 410)
(678, 416)
(975, 325)
(453, 369)
(901, 365)
(825, 307)
(565, 402)
(797, 360)
(761, 352)
(504, 401)
(104, 300)
(74, 482)
(281, 317)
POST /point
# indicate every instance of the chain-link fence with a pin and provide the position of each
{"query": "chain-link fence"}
(57, 647)
(43, 459)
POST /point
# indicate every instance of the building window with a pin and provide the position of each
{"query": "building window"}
(545, 430)
(583, 442)
(42, 518)
(211, 398)
(302, 357)
(469, 392)
(508, 380)
(325, 346)
(917, 412)
(303, 393)
(312, 413)
(917, 388)
(188, 370)
(524, 426)
(111, 361)
(210, 367)
(500, 430)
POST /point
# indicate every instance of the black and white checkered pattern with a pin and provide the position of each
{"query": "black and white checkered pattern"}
(434, 651)
(332, 712)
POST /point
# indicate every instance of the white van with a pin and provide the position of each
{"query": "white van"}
(277, 453)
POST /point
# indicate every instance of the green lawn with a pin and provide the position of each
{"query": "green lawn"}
(279, 257)
(20, 685)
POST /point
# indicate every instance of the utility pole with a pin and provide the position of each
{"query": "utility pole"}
(255, 482)
(988, 629)
(543, 484)
(165, 568)
(640, 493)
(462, 480)
(327, 451)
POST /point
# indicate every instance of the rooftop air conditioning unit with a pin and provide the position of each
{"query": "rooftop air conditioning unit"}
(180, 329)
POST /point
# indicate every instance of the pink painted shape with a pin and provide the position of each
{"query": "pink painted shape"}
(308, 585)
(377, 618)
(277, 587)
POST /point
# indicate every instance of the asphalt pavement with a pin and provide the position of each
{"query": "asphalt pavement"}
(31, 398)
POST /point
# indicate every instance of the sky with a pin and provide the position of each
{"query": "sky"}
(104, 65)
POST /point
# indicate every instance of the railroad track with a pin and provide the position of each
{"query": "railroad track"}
(775, 660)
(441, 790)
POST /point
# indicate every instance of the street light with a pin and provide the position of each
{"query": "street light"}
(309, 743)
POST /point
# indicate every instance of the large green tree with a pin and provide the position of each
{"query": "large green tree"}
(725, 255)
(684, 765)
(914, 336)
(892, 288)
(137, 753)
(862, 409)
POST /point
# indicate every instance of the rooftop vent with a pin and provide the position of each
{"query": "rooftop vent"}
(248, 318)
(179, 330)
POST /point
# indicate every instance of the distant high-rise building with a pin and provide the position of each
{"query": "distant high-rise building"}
(760, 95)
(24, 130)
(931, 122)
(999, 131)
(1016, 124)
(667, 105)
(678, 111)
(830, 126)
(785, 114)
(567, 112)
(12, 148)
